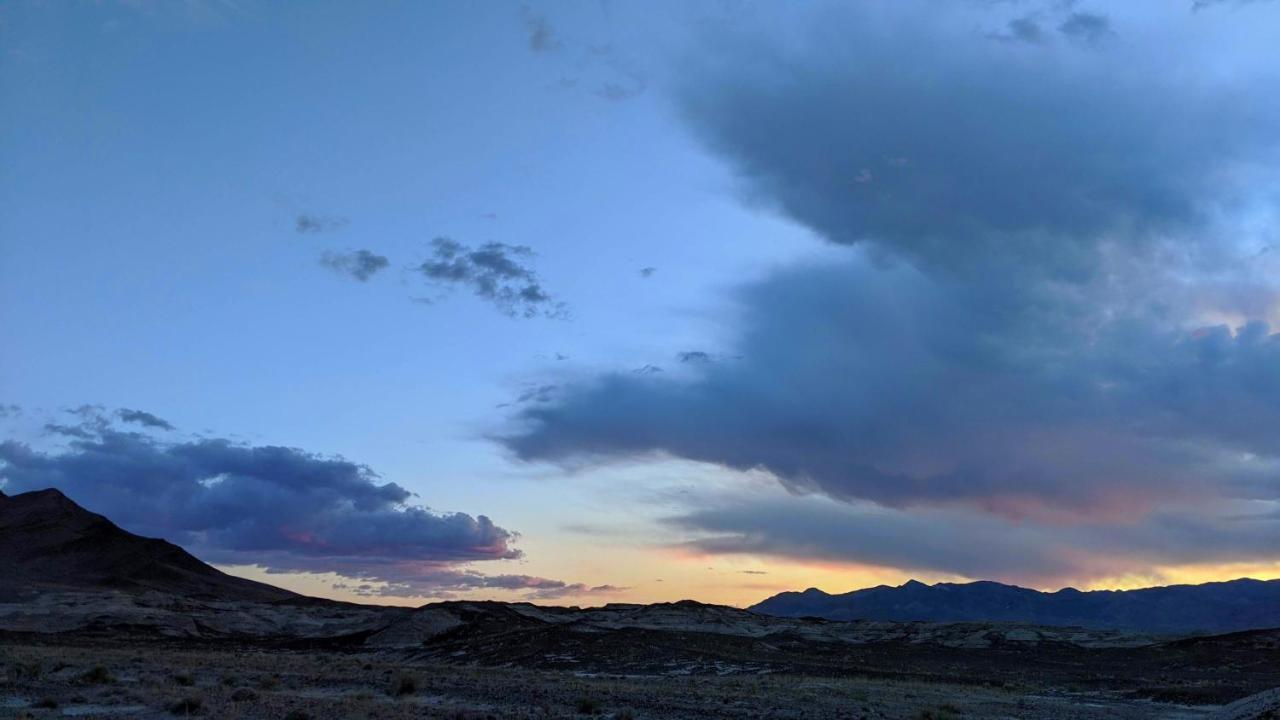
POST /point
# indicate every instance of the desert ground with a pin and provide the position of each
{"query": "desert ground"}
(44, 679)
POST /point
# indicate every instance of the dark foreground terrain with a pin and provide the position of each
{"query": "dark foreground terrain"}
(149, 680)
(97, 622)
(482, 660)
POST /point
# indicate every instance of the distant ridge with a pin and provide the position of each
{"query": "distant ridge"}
(1211, 608)
(48, 542)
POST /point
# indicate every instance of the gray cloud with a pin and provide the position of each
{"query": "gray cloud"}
(1089, 28)
(648, 272)
(989, 162)
(239, 503)
(417, 581)
(495, 272)
(360, 265)
(925, 542)
(542, 37)
(694, 356)
(284, 509)
(311, 224)
(902, 390)
(1023, 29)
(143, 418)
(1198, 5)
(1030, 324)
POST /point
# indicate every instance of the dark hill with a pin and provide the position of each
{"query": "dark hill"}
(48, 542)
(1210, 608)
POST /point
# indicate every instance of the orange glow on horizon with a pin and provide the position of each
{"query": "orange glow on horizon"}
(745, 581)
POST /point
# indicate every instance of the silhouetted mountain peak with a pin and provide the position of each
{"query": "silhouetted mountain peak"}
(47, 541)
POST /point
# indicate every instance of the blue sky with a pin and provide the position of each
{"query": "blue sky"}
(1052, 156)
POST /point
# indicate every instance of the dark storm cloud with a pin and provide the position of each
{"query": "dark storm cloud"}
(10, 410)
(1022, 332)
(886, 385)
(360, 265)
(238, 503)
(310, 224)
(988, 161)
(495, 272)
(143, 418)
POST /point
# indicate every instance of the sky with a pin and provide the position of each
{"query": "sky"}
(640, 301)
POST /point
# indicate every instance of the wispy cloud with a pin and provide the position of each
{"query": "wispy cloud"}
(495, 272)
(358, 265)
(311, 224)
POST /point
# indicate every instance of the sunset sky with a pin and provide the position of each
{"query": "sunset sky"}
(588, 302)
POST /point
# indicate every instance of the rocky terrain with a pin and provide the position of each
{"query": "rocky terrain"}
(96, 622)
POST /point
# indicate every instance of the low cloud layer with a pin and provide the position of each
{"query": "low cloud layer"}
(282, 508)
(358, 265)
(1053, 308)
(411, 582)
(497, 273)
(925, 542)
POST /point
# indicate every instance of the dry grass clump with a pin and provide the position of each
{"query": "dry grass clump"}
(97, 675)
(243, 694)
(187, 706)
(403, 685)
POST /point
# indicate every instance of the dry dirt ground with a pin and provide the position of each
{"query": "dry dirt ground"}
(160, 681)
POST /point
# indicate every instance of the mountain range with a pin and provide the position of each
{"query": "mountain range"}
(49, 544)
(1209, 608)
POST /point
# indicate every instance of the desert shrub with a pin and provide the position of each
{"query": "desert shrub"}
(588, 706)
(184, 679)
(96, 675)
(625, 714)
(243, 695)
(268, 683)
(404, 685)
(186, 706)
(46, 704)
(27, 671)
(298, 715)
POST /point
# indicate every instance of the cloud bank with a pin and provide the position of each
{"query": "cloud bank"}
(1053, 309)
(282, 508)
